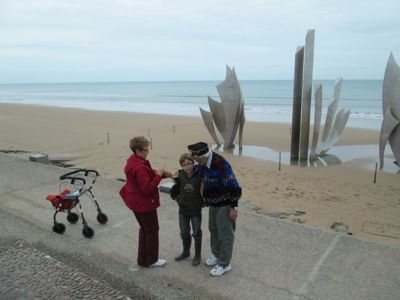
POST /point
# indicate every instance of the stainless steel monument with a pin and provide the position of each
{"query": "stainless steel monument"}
(335, 123)
(390, 130)
(302, 91)
(228, 115)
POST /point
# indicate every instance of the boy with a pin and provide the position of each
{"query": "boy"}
(187, 192)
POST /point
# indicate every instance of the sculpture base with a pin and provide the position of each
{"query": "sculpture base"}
(336, 155)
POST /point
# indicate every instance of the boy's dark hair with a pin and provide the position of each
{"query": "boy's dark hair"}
(185, 156)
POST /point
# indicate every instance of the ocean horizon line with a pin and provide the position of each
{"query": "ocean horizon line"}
(174, 81)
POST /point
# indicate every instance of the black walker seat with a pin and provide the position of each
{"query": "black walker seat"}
(66, 200)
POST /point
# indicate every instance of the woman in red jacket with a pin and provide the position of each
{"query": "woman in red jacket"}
(140, 194)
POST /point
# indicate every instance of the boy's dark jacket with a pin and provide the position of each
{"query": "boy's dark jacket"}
(220, 185)
(186, 190)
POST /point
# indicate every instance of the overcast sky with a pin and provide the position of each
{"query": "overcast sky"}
(141, 40)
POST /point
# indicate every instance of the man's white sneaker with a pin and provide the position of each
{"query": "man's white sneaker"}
(219, 270)
(159, 263)
(211, 261)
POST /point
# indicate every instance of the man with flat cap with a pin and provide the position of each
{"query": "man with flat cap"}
(221, 193)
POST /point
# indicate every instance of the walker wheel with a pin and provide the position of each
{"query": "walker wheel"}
(59, 228)
(72, 217)
(102, 218)
(88, 232)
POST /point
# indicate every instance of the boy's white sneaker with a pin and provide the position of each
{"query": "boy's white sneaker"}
(219, 270)
(211, 261)
(159, 263)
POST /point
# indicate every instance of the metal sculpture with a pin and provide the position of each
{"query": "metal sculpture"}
(332, 107)
(390, 130)
(317, 120)
(307, 92)
(296, 111)
(228, 115)
(340, 123)
(334, 124)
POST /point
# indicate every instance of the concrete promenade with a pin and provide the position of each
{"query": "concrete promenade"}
(273, 259)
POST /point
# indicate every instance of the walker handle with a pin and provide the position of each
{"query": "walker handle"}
(73, 179)
(90, 171)
(68, 175)
(85, 171)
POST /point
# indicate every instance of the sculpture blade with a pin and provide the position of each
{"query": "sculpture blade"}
(231, 99)
(391, 88)
(208, 121)
(340, 123)
(394, 142)
(390, 131)
(241, 126)
(218, 115)
(317, 120)
(389, 124)
(332, 108)
(307, 91)
(296, 111)
(229, 90)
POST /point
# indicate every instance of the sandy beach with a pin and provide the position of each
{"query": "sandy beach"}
(342, 194)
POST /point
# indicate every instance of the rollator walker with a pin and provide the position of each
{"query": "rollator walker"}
(82, 181)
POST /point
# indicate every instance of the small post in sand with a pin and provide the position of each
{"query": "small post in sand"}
(376, 169)
(279, 161)
(151, 143)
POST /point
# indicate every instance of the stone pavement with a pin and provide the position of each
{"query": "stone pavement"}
(28, 273)
(273, 259)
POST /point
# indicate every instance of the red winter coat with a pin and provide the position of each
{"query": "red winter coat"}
(140, 192)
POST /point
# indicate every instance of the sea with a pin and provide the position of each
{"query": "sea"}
(265, 100)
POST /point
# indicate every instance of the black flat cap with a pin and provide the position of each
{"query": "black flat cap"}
(198, 149)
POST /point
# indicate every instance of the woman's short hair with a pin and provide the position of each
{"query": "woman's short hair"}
(138, 143)
(185, 156)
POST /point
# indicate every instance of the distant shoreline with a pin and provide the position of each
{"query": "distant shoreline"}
(264, 101)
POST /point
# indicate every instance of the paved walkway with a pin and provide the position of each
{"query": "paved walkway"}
(28, 273)
(273, 259)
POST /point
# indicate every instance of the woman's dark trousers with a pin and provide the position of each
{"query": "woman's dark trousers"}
(148, 238)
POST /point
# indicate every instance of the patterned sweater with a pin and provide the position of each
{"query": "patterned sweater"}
(220, 185)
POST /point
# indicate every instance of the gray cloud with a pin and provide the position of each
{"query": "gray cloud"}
(187, 39)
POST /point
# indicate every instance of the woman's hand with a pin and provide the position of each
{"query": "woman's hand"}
(160, 172)
(167, 174)
(175, 174)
